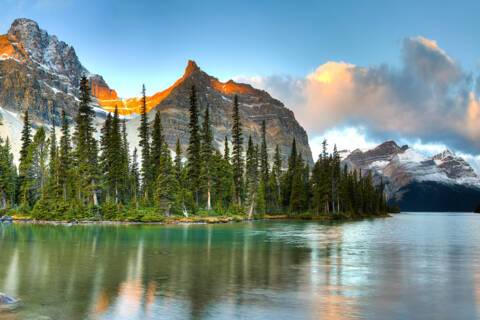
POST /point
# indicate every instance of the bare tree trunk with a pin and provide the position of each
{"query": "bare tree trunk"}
(252, 206)
(209, 204)
(94, 194)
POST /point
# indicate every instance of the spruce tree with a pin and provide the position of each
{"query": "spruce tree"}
(206, 158)
(226, 150)
(194, 148)
(157, 147)
(251, 177)
(26, 141)
(7, 176)
(144, 144)
(65, 160)
(54, 187)
(134, 178)
(178, 160)
(264, 170)
(86, 150)
(237, 156)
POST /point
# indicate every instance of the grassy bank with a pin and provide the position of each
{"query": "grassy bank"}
(202, 218)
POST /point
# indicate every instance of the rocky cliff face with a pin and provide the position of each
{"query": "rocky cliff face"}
(412, 179)
(255, 106)
(42, 73)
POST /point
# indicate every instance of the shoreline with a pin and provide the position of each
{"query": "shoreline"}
(202, 220)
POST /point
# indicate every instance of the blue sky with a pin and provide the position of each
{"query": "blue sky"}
(369, 70)
(130, 42)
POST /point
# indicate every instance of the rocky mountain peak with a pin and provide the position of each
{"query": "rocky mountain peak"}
(444, 155)
(22, 28)
(378, 156)
(191, 68)
(390, 147)
(46, 50)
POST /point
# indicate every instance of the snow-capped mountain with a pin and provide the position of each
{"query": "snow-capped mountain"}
(403, 170)
(42, 73)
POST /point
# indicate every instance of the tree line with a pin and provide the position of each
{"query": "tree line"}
(80, 177)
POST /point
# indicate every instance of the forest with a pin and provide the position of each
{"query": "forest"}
(77, 177)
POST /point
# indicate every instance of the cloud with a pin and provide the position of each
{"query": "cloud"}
(427, 97)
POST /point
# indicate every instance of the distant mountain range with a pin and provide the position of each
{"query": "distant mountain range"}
(42, 73)
(444, 182)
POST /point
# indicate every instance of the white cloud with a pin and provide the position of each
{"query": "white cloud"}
(429, 98)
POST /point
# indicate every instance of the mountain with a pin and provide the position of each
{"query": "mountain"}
(444, 182)
(255, 105)
(42, 73)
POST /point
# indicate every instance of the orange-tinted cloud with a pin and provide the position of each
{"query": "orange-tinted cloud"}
(428, 97)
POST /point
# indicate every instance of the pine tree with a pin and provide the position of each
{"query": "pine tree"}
(167, 188)
(134, 178)
(206, 158)
(226, 150)
(178, 160)
(157, 146)
(124, 155)
(26, 141)
(264, 167)
(65, 160)
(115, 153)
(287, 178)
(251, 176)
(194, 148)
(144, 143)
(275, 180)
(237, 157)
(54, 187)
(26, 136)
(7, 176)
(265, 171)
(86, 151)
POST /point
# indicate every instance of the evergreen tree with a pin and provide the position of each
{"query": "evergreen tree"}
(178, 160)
(26, 137)
(144, 143)
(167, 188)
(86, 150)
(265, 172)
(226, 150)
(237, 157)
(8, 176)
(26, 141)
(157, 146)
(65, 160)
(125, 165)
(206, 157)
(274, 182)
(134, 178)
(251, 177)
(54, 187)
(287, 179)
(194, 148)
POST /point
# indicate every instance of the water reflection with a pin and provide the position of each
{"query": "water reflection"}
(396, 268)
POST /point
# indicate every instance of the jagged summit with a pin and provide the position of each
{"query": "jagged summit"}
(23, 25)
(191, 68)
(402, 169)
(377, 156)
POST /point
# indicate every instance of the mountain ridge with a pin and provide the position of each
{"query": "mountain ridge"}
(41, 73)
(402, 170)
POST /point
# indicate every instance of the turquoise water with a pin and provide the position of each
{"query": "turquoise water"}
(410, 266)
